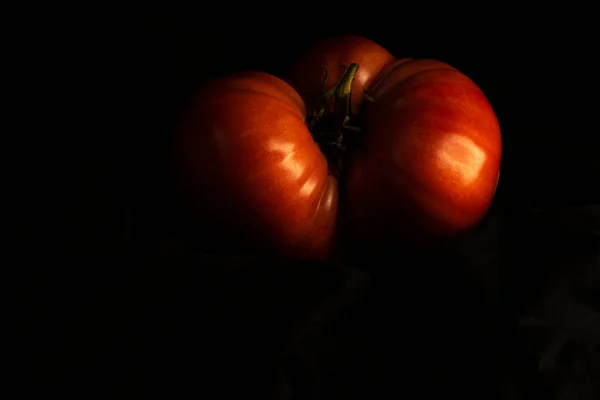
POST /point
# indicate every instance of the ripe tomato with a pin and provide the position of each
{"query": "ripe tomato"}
(415, 146)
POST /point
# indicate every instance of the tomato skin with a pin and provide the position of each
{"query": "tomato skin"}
(430, 159)
(254, 175)
(334, 53)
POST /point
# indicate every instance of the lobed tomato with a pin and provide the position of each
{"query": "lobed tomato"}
(411, 148)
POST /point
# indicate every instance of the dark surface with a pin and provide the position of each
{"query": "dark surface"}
(108, 297)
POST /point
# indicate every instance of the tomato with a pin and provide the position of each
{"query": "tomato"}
(410, 147)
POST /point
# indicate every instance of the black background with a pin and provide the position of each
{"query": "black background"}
(109, 298)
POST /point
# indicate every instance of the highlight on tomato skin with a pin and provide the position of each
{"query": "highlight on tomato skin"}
(430, 162)
(367, 149)
(251, 170)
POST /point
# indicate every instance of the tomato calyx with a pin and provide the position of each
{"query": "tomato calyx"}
(335, 130)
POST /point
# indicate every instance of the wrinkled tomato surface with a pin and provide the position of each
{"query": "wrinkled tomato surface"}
(404, 149)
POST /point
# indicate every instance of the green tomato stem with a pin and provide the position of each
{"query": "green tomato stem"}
(330, 129)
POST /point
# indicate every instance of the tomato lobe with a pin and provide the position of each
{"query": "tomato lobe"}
(337, 53)
(252, 170)
(430, 159)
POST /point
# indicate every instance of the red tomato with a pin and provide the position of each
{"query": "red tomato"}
(423, 163)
